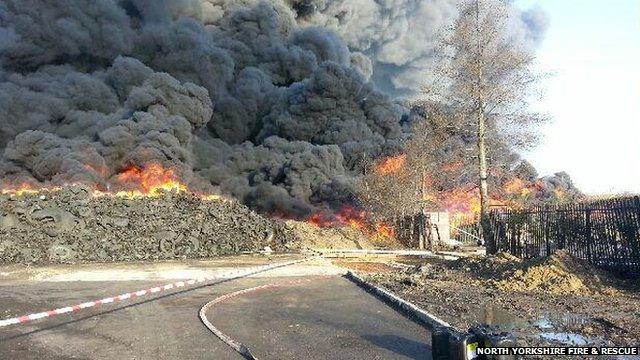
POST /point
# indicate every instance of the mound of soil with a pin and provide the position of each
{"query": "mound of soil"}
(339, 237)
(558, 274)
(73, 225)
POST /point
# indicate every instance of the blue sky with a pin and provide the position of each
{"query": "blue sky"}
(593, 47)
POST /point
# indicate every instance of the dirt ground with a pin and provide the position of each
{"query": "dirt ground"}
(554, 301)
(161, 270)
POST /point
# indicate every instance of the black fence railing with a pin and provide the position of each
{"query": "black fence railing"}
(604, 232)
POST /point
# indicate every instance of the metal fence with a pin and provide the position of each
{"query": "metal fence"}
(604, 232)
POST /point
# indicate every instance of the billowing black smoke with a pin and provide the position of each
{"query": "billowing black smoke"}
(269, 101)
(232, 94)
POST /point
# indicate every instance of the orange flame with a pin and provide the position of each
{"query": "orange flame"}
(463, 204)
(153, 179)
(391, 164)
(319, 220)
(149, 181)
(518, 187)
(21, 189)
(350, 216)
(384, 231)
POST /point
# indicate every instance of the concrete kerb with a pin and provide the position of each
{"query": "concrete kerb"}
(430, 321)
(443, 335)
(447, 342)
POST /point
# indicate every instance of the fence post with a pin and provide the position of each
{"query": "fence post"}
(547, 227)
(559, 230)
(488, 243)
(636, 245)
(485, 224)
(588, 237)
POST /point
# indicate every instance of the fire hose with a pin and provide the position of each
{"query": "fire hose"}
(237, 346)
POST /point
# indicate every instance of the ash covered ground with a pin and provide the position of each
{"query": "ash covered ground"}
(73, 225)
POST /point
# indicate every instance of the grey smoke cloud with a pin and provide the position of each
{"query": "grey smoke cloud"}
(54, 33)
(535, 21)
(275, 102)
(399, 35)
(234, 95)
(75, 128)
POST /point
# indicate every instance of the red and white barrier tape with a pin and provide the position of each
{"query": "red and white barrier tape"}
(237, 273)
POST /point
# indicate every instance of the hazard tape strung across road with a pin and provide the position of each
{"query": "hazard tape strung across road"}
(233, 274)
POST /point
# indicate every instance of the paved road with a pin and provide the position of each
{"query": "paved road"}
(318, 317)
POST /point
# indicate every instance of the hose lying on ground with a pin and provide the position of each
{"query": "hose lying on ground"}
(236, 345)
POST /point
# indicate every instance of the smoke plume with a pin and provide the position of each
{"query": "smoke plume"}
(399, 36)
(273, 102)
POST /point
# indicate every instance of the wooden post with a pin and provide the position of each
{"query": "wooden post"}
(428, 231)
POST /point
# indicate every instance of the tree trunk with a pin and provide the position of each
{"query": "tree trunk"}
(484, 191)
(423, 210)
(482, 148)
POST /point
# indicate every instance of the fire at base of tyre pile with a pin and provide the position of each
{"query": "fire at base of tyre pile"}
(78, 224)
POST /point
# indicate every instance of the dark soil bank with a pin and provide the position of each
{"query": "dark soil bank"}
(554, 301)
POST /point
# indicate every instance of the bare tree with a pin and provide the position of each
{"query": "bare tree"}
(400, 187)
(388, 188)
(487, 75)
